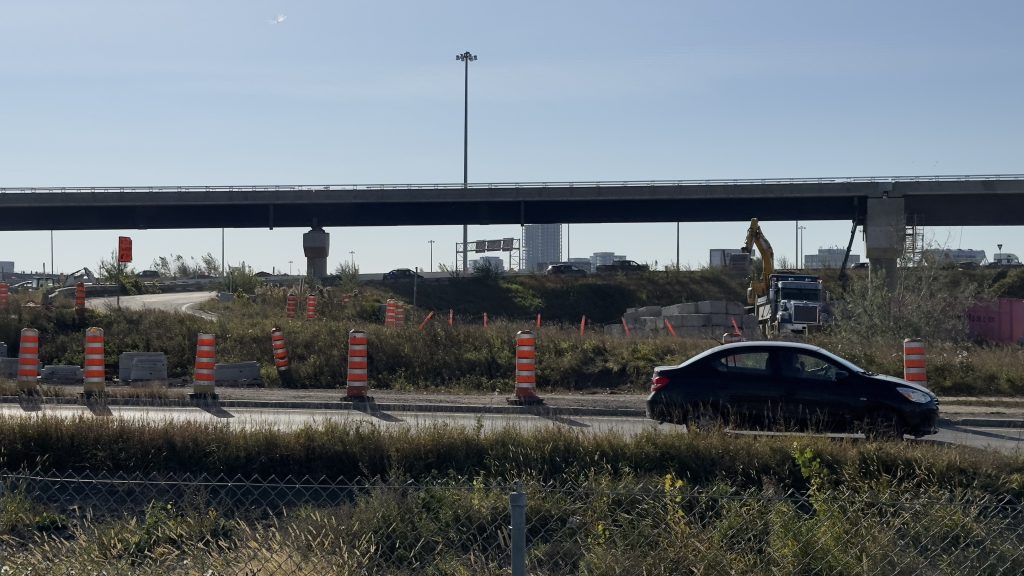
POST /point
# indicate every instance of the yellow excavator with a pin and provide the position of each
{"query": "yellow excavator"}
(784, 303)
(759, 286)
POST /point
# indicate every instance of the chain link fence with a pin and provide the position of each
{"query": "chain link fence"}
(88, 523)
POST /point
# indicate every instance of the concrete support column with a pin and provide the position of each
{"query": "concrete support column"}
(316, 244)
(884, 235)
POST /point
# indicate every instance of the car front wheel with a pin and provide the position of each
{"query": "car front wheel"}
(883, 426)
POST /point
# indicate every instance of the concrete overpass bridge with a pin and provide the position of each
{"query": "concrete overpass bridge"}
(884, 205)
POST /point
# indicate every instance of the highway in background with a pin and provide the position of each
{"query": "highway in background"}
(1006, 440)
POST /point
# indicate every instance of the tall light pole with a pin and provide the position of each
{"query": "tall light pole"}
(431, 242)
(799, 254)
(796, 240)
(289, 267)
(352, 254)
(466, 57)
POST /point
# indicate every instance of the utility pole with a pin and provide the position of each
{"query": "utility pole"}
(466, 57)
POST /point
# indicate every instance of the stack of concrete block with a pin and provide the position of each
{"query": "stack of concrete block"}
(708, 318)
(142, 368)
(61, 374)
(238, 374)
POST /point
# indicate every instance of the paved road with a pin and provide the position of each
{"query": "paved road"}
(174, 301)
(1007, 440)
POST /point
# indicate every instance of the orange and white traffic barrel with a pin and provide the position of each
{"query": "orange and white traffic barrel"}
(357, 382)
(526, 369)
(28, 362)
(80, 298)
(399, 314)
(311, 307)
(5, 295)
(292, 305)
(204, 377)
(281, 356)
(95, 365)
(915, 367)
(390, 313)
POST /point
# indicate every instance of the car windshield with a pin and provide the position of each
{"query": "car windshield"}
(805, 294)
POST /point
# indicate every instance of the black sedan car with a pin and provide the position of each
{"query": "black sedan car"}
(565, 270)
(789, 386)
(401, 274)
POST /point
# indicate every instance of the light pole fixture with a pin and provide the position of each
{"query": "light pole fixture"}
(289, 267)
(466, 57)
(431, 242)
(352, 254)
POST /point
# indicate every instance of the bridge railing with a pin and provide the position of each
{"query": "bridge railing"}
(505, 185)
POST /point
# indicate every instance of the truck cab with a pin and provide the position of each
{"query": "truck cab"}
(793, 305)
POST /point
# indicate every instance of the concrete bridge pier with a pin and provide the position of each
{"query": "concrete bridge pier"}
(316, 244)
(885, 233)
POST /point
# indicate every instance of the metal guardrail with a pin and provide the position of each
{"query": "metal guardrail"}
(524, 185)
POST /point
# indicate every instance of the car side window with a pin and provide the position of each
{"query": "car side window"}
(808, 367)
(752, 363)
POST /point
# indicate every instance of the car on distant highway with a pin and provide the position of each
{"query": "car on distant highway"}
(786, 386)
(401, 274)
(621, 267)
(565, 270)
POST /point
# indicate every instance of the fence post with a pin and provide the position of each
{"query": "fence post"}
(517, 508)
(914, 364)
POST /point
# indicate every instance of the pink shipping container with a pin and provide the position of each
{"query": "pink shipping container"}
(1001, 321)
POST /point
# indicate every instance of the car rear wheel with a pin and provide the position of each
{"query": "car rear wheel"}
(883, 426)
(703, 419)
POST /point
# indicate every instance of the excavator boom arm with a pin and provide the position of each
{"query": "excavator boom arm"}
(756, 238)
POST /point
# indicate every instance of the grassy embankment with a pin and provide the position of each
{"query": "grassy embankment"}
(435, 501)
(868, 330)
(599, 504)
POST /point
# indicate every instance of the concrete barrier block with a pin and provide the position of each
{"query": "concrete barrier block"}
(650, 323)
(721, 320)
(142, 367)
(693, 320)
(691, 332)
(614, 330)
(711, 307)
(9, 368)
(631, 316)
(238, 374)
(649, 311)
(683, 308)
(735, 308)
(61, 374)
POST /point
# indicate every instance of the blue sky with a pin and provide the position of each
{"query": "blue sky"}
(112, 93)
